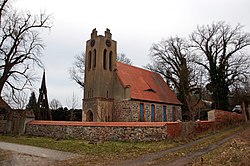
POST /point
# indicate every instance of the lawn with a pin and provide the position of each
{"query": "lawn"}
(108, 152)
(115, 149)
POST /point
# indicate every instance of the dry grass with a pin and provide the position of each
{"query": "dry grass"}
(111, 152)
(233, 153)
(199, 146)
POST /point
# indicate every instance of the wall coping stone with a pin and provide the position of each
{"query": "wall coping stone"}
(101, 124)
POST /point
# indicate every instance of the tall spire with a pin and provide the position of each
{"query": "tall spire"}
(44, 112)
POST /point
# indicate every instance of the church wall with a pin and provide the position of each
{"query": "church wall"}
(129, 111)
(105, 108)
(91, 105)
(125, 111)
(118, 90)
(100, 107)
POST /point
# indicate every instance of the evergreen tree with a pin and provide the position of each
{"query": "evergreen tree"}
(32, 104)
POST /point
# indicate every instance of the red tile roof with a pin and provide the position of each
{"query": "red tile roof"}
(145, 85)
(3, 104)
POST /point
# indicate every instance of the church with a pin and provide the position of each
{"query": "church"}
(117, 92)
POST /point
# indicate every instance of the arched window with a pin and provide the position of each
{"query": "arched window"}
(94, 58)
(110, 61)
(89, 116)
(164, 113)
(141, 112)
(89, 60)
(152, 113)
(104, 59)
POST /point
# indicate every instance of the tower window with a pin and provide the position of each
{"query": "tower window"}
(110, 61)
(104, 59)
(94, 58)
(89, 60)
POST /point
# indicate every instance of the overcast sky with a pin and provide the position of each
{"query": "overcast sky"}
(134, 24)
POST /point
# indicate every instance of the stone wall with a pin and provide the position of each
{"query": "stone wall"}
(225, 117)
(131, 131)
(129, 111)
(126, 111)
(99, 131)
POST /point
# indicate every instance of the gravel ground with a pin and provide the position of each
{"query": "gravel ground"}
(16, 159)
(24, 155)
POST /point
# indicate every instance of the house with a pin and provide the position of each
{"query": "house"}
(114, 91)
(13, 121)
(4, 112)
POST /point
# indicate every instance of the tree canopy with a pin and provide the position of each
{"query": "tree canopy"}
(219, 48)
(172, 59)
(76, 71)
(20, 47)
(213, 55)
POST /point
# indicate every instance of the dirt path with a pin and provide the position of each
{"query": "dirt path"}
(10, 158)
(151, 159)
(185, 160)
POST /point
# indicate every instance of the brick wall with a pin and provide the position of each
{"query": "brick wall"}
(225, 117)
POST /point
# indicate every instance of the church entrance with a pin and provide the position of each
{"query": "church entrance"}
(89, 116)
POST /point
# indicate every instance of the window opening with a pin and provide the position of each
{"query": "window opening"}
(104, 59)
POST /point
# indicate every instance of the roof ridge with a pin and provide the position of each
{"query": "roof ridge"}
(139, 68)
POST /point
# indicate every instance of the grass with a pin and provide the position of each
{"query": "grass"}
(123, 149)
(117, 150)
(219, 135)
(234, 152)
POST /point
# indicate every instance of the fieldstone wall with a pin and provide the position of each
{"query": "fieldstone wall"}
(130, 131)
(128, 111)
(98, 131)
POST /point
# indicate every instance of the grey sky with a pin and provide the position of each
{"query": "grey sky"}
(134, 24)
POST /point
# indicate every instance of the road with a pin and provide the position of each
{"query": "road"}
(25, 155)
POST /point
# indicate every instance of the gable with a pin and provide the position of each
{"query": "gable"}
(4, 105)
(145, 85)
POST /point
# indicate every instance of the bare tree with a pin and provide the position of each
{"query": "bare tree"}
(20, 46)
(55, 104)
(19, 101)
(171, 58)
(219, 48)
(124, 59)
(72, 104)
(76, 72)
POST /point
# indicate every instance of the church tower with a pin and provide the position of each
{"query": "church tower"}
(44, 112)
(100, 66)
